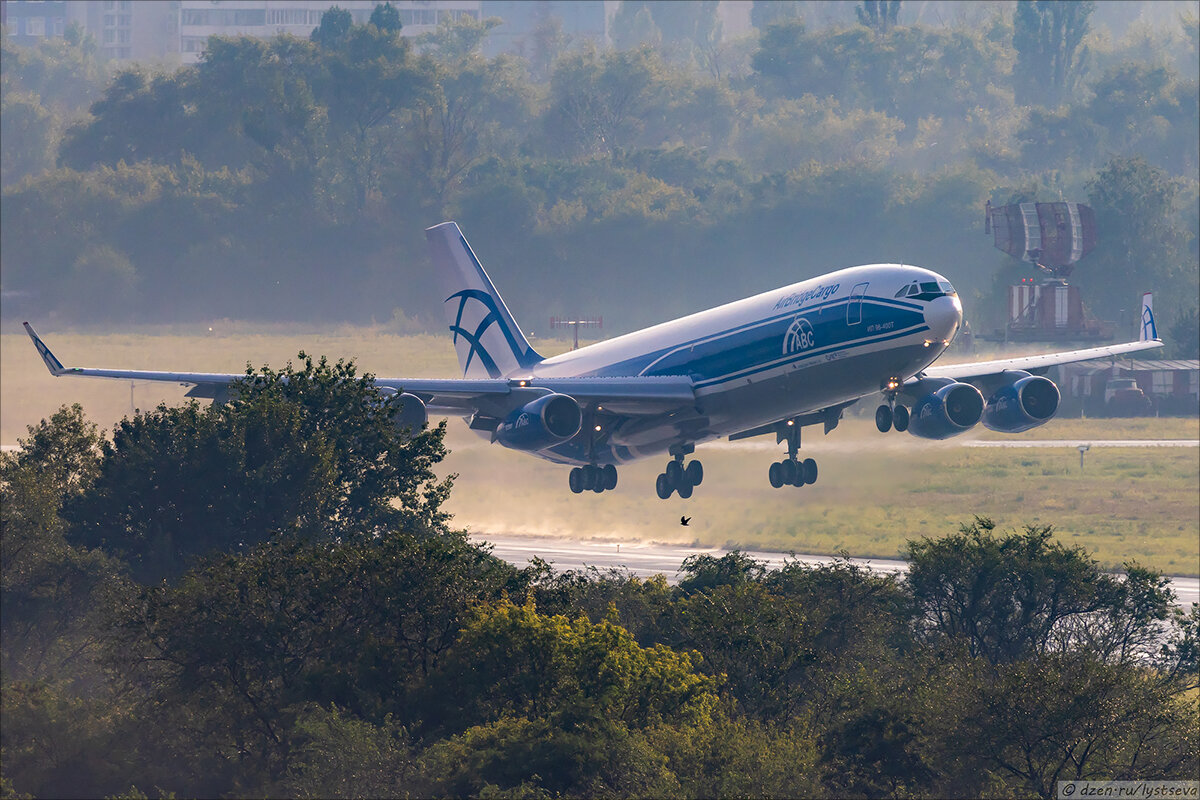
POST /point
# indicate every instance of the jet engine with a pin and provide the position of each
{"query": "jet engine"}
(1024, 402)
(410, 415)
(549, 420)
(953, 409)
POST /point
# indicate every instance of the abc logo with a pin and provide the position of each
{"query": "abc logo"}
(800, 336)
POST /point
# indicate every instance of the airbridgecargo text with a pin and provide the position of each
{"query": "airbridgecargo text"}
(797, 298)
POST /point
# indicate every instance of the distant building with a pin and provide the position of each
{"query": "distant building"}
(130, 30)
(177, 31)
(29, 23)
(199, 19)
(1173, 386)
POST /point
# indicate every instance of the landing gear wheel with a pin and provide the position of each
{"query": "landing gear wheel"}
(575, 480)
(590, 475)
(599, 487)
(685, 490)
(608, 476)
(900, 419)
(674, 472)
(808, 469)
(694, 473)
(663, 486)
(790, 470)
(883, 419)
(775, 475)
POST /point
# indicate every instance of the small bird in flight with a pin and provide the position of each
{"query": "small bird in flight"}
(684, 520)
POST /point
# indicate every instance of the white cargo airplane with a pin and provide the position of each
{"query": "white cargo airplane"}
(768, 364)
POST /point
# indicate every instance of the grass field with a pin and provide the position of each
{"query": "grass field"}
(874, 492)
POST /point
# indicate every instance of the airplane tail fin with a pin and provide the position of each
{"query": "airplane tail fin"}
(488, 340)
(1149, 329)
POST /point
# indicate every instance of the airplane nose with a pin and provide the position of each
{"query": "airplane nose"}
(943, 315)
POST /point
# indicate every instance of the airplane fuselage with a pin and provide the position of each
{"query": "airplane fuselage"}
(803, 347)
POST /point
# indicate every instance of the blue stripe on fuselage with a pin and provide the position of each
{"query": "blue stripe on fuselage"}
(758, 346)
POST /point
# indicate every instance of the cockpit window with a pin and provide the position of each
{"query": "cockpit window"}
(927, 290)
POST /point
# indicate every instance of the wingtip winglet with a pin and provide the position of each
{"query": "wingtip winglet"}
(53, 364)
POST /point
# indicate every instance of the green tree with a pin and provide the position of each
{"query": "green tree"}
(335, 24)
(1023, 595)
(386, 18)
(227, 666)
(879, 15)
(1140, 245)
(473, 108)
(764, 13)
(49, 590)
(1184, 334)
(27, 132)
(600, 103)
(511, 660)
(1048, 39)
(1072, 717)
(312, 451)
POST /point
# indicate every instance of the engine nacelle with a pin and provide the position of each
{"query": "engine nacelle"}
(953, 409)
(411, 415)
(549, 420)
(1025, 402)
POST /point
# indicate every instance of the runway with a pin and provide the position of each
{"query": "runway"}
(646, 559)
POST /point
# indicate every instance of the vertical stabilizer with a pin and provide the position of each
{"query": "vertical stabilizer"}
(488, 340)
(1149, 329)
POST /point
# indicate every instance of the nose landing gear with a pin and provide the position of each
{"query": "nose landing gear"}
(890, 415)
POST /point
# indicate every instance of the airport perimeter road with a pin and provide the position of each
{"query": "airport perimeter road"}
(646, 559)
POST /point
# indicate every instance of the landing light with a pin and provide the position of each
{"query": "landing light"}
(791, 422)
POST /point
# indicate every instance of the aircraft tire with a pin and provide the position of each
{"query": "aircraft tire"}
(694, 473)
(674, 473)
(589, 477)
(685, 490)
(900, 419)
(599, 487)
(883, 419)
(575, 480)
(775, 475)
(609, 474)
(808, 468)
(663, 486)
(790, 471)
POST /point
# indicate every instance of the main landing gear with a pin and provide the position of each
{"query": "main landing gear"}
(679, 478)
(594, 478)
(791, 471)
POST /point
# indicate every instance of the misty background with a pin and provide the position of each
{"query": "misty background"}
(290, 179)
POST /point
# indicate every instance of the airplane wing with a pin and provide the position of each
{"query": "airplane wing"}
(631, 396)
(1034, 364)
